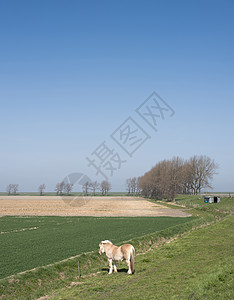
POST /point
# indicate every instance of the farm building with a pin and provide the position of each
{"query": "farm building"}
(211, 199)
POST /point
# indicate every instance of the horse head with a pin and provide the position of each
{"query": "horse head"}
(102, 246)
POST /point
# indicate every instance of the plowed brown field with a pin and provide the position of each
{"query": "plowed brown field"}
(84, 206)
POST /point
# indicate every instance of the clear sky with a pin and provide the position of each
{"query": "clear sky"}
(72, 73)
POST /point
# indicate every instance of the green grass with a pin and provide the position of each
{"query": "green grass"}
(43, 280)
(29, 242)
(197, 266)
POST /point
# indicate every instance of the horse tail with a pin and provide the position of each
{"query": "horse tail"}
(132, 253)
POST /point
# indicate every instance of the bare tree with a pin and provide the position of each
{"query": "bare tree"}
(86, 188)
(59, 188)
(94, 186)
(41, 189)
(187, 178)
(173, 178)
(133, 185)
(15, 188)
(202, 170)
(9, 189)
(146, 185)
(105, 187)
(62, 185)
(68, 188)
(138, 188)
(128, 185)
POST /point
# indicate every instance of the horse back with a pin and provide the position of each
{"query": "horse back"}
(126, 250)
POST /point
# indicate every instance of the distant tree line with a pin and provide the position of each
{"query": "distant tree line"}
(88, 187)
(92, 187)
(171, 177)
(132, 186)
(62, 188)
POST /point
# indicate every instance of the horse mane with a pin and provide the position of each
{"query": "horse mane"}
(106, 241)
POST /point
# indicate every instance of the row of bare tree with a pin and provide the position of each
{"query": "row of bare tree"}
(88, 187)
(171, 177)
(66, 188)
(92, 187)
(12, 189)
(62, 187)
(132, 186)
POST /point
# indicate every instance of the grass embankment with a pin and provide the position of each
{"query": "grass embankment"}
(225, 206)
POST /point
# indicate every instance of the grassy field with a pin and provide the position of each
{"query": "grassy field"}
(196, 264)
(29, 242)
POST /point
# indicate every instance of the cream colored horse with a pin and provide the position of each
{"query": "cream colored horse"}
(115, 254)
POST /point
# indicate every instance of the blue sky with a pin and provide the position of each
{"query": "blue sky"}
(71, 72)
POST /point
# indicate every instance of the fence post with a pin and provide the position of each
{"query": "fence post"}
(78, 268)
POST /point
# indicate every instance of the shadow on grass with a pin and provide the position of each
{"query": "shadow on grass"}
(122, 270)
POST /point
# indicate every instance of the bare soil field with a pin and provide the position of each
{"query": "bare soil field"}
(84, 206)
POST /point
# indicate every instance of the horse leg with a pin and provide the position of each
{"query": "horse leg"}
(115, 267)
(110, 265)
(129, 266)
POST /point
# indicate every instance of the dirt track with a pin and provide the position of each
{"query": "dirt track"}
(84, 206)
